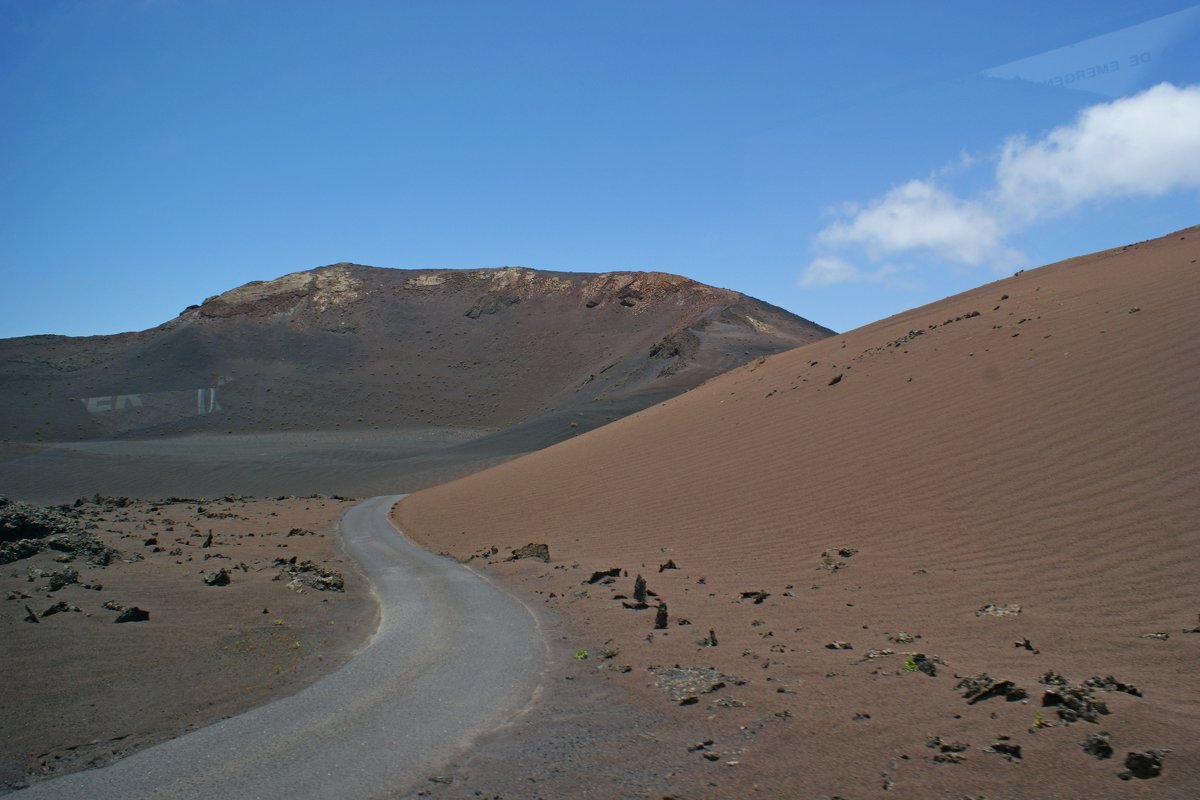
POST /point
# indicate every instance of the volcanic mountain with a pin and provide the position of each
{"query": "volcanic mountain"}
(938, 552)
(491, 361)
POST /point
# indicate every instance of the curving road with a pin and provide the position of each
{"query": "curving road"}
(454, 657)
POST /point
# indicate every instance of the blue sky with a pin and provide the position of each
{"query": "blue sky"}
(844, 161)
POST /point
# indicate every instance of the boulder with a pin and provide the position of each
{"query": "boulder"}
(133, 614)
(532, 550)
(983, 687)
(1097, 744)
(660, 617)
(601, 575)
(219, 578)
(1144, 765)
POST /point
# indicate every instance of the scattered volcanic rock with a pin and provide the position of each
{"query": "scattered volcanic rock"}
(949, 751)
(24, 521)
(660, 617)
(1143, 765)
(1052, 678)
(310, 575)
(992, 610)
(133, 614)
(982, 687)
(24, 527)
(539, 551)
(925, 664)
(26, 530)
(486, 552)
(832, 559)
(61, 578)
(218, 578)
(681, 682)
(1098, 745)
(1010, 751)
(1111, 684)
(1074, 704)
(605, 575)
(58, 608)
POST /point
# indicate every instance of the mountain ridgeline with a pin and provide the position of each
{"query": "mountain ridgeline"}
(355, 347)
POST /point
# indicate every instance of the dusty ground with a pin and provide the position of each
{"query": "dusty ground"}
(81, 690)
(997, 487)
(345, 379)
(843, 515)
(360, 463)
(771, 710)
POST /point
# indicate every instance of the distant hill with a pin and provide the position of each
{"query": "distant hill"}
(519, 356)
(355, 346)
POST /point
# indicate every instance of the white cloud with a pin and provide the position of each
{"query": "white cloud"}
(1144, 145)
(1147, 144)
(828, 270)
(919, 216)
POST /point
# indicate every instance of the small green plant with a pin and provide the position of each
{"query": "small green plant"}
(279, 620)
(294, 645)
(581, 654)
(1039, 721)
(910, 664)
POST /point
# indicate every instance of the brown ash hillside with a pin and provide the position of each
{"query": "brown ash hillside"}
(362, 380)
(363, 347)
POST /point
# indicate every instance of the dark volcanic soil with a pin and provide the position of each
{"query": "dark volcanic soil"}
(81, 689)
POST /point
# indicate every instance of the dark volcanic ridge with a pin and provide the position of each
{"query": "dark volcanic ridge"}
(349, 346)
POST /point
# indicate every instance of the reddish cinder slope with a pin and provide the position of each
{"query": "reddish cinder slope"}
(1033, 442)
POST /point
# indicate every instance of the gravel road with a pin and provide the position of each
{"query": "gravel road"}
(454, 657)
